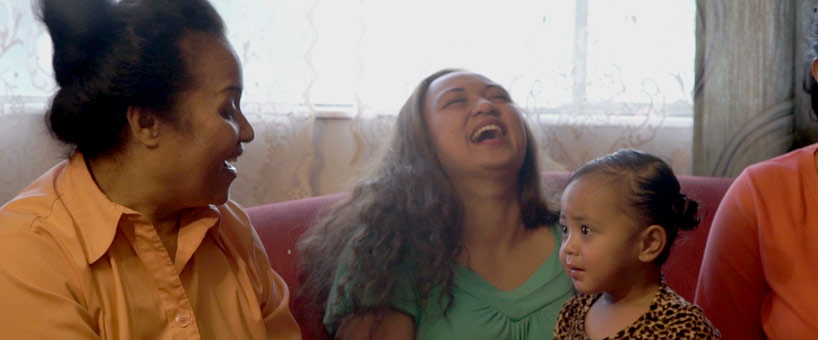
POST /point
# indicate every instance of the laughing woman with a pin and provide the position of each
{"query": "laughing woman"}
(134, 237)
(450, 238)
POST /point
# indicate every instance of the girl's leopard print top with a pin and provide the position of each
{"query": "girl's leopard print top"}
(670, 317)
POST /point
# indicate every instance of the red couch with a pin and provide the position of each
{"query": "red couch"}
(280, 224)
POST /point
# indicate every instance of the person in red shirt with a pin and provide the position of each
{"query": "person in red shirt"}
(760, 267)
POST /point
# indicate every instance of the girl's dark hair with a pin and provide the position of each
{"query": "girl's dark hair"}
(652, 191)
(403, 222)
(110, 56)
(812, 53)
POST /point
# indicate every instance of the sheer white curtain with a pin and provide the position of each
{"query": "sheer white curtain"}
(323, 79)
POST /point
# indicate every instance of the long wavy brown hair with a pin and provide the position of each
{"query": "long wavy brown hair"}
(407, 209)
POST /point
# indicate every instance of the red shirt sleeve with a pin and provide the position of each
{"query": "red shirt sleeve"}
(732, 286)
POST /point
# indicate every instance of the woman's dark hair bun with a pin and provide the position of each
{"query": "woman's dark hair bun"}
(81, 30)
(111, 56)
(686, 211)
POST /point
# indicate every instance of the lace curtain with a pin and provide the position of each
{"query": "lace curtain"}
(324, 78)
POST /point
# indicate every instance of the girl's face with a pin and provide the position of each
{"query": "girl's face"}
(474, 125)
(599, 249)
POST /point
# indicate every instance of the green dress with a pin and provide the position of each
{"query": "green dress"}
(480, 310)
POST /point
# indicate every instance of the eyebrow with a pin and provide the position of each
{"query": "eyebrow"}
(456, 89)
(577, 218)
(232, 88)
(460, 89)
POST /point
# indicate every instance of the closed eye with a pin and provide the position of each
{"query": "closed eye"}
(230, 110)
(501, 98)
(497, 94)
(453, 102)
(228, 113)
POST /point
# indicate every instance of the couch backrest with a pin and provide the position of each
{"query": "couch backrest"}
(279, 226)
(682, 267)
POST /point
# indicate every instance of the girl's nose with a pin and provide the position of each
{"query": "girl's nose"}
(568, 246)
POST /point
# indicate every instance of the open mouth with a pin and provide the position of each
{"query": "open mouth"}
(487, 132)
(228, 164)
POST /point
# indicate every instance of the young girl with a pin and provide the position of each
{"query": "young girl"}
(620, 214)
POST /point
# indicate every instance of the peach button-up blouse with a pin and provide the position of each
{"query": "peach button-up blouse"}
(75, 265)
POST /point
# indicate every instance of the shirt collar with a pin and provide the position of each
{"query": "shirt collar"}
(97, 217)
(94, 214)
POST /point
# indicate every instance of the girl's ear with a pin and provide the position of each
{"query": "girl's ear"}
(652, 242)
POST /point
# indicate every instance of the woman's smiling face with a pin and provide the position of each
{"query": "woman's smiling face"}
(212, 127)
(474, 125)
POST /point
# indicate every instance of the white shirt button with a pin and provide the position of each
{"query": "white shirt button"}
(183, 319)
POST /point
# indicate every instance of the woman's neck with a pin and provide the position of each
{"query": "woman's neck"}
(124, 182)
(496, 244)
(491, 215)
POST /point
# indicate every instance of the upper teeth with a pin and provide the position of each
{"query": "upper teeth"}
(477, 133)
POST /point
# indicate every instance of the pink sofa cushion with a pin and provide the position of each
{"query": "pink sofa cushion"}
(682, 267)
(279, 225)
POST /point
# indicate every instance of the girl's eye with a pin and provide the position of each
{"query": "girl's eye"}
(564, 230)
(585, 230)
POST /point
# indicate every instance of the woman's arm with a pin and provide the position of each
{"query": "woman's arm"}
(731, 284)
(39, 294)
(271, 290)
(380, 324)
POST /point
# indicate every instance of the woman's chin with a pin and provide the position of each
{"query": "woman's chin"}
(222, 197)
(215, 197)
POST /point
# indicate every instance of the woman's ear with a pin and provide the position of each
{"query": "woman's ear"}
(652, 242)
(143, 126)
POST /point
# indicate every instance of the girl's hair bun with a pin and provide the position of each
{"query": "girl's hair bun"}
(686, 211)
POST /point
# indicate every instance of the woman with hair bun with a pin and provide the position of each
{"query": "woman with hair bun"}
(620, 215)
(134, 236)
